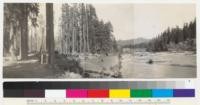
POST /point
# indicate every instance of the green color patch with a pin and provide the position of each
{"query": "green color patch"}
(141, 93)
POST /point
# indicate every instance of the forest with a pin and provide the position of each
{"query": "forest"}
(30, 41)
(16, 17)
(82, 31)
(172, 39)
(70, 40)
(175, 39)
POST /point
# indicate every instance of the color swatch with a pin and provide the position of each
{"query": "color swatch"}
(183, 93)
(76, 93)
(119, 93)
(162, 93)
(55, 93)
(137, 93)
(98, 93)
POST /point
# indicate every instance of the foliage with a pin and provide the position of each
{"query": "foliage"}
(15, 25)
(173, 36)
(82, 31)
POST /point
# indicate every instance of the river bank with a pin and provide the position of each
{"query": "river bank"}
(127, 65)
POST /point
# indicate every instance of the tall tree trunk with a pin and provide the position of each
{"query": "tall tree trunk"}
(81, 29)
(84, 29)
(36, 43)
(24, 33)
(31, 41)
(50, 32)
(6, 35)
(61, 40)
(11, 49)
(87, 30)
(73, 31)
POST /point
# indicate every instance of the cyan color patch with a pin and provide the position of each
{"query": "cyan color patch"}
(162, 93)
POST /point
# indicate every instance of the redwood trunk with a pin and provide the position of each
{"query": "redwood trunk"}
(50, 32)
(24, 33)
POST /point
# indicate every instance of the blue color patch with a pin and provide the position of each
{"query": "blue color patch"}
(162, 93)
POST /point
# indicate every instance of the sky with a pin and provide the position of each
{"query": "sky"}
(144, 20)
(132, 21)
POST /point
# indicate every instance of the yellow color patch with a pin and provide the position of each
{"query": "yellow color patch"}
(119, 93)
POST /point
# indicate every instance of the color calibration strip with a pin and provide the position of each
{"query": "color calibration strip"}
(100, 93)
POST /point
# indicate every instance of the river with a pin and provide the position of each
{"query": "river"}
(164, 65)
(135, 65)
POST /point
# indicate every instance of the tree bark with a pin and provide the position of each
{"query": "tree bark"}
(87, 30)
(50, 32)
(24, 33)
(84, 28)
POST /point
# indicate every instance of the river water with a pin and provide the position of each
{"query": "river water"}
(165, 65)
(135, 65)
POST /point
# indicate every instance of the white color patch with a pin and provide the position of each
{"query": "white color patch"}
(55, 93)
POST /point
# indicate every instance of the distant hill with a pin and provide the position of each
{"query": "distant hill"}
(132, 41)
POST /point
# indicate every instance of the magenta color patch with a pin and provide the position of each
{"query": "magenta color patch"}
(76, 93)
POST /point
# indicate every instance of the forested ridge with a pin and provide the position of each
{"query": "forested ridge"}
(172, 39)
(184, 38)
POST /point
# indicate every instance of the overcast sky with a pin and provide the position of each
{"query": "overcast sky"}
(144, 20)
(139, 20)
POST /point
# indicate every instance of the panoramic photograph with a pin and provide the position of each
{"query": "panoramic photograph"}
(82, 40)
